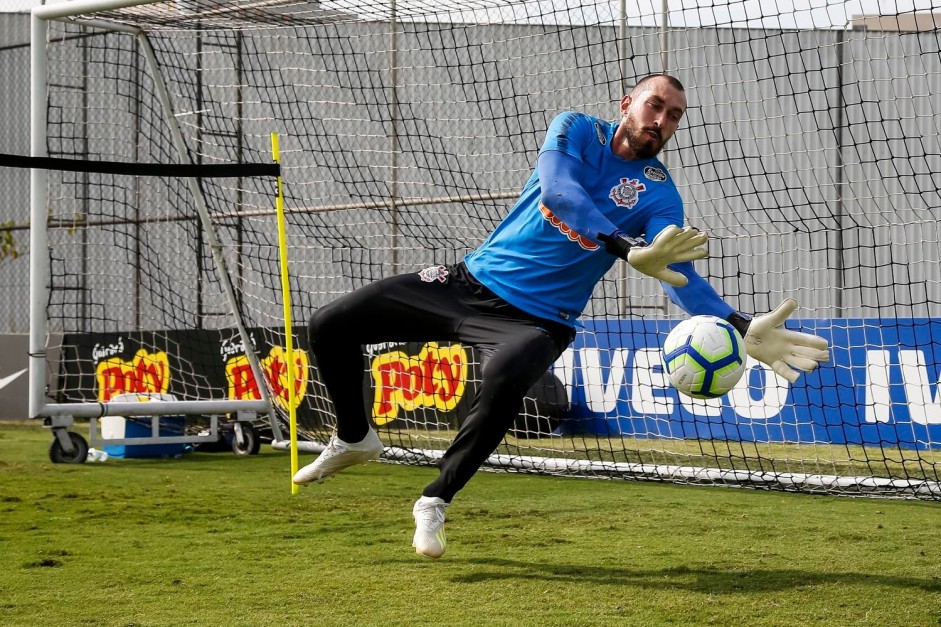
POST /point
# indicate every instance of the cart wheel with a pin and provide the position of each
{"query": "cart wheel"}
(79, 454)
(251, 442)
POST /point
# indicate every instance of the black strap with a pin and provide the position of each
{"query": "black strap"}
(192, 170)
(740, 321)
(619, 243)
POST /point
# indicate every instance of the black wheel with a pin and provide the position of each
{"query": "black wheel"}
(79, 454)
(251, 443)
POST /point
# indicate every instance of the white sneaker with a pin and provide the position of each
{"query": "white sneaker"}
(339, 455)
(429, 540)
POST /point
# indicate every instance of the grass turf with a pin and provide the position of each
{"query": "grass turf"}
(211, 539)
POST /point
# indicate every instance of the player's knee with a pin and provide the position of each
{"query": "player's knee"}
(324, 324)
(511, 371)
(502, 380)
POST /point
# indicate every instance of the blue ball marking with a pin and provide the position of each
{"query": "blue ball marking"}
(709, 367)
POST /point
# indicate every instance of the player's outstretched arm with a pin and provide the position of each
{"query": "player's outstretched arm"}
(786, 351)
(671, 245)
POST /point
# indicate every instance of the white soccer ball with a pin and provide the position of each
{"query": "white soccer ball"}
(704, 357)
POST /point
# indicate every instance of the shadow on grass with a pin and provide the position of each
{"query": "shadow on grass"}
(705, 580)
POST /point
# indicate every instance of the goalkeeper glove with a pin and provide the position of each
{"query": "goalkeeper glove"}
(671, 245)
(785, 351)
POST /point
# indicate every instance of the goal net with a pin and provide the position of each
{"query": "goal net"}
(810, 153)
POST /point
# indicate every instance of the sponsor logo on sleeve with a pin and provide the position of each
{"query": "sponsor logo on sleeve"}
(653, 173)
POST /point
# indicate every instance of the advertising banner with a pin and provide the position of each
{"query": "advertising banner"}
(191, 364)
(881, 386)
(424, 385)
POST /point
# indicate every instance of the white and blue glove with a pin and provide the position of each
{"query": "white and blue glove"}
(671, 245)
(787, 352)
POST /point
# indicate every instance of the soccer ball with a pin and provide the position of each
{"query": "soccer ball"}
(704, 356)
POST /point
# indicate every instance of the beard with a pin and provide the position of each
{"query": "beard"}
(642, 144)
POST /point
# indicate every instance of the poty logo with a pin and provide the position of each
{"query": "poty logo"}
(434, 378)
(627, 192)
(145, 372)
(99, 352)
(243, 386)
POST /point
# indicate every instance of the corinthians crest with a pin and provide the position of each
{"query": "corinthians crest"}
(626, 193)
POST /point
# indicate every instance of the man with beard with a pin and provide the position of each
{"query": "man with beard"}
(598, 193)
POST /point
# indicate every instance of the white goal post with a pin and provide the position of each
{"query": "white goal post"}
(810, 153)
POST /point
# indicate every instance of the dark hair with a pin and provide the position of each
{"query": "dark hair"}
(675, 83)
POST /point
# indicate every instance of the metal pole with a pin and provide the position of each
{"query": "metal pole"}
(622, 58)
(38, 245)
(840, 270)
(665, 65)
(394, 137)
(665, 36)
(39, 186)
(60, 10)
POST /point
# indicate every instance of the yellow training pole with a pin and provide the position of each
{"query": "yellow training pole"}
(286, 297)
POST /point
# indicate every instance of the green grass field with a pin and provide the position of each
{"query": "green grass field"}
(211, 539)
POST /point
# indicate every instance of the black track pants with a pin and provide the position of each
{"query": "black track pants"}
(448, 305)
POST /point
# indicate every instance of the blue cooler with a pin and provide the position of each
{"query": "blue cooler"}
(119, 428)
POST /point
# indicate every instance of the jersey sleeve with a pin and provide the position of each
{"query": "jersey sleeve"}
(560, 177)
(568, 133)
(562, 193)
(669, 212)
(697, 297)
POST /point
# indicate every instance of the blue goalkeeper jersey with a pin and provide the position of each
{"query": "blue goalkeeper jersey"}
(535, 261)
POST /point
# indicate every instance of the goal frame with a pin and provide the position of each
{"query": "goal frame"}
(61, 415)
(815, 473)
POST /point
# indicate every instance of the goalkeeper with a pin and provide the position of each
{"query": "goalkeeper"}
(597, 194)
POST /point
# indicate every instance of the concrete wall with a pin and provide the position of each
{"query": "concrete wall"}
(807, 155)
(14, 183)
(14, 377)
